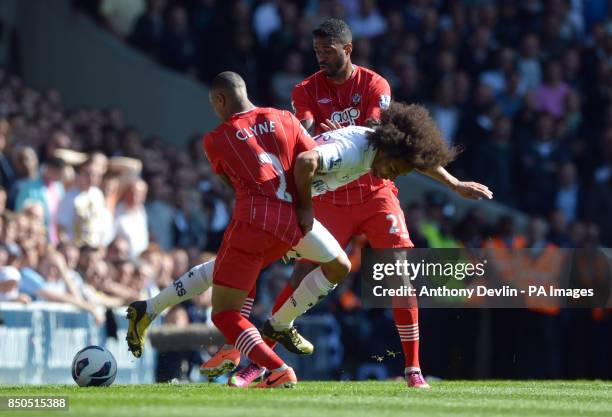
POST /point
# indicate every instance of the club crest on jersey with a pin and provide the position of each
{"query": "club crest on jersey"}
(325, 100)
(356, 98)
(346, 116)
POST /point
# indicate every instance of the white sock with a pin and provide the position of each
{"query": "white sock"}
(280, 369)
(197, 280)
(409, 370)
(313, 288)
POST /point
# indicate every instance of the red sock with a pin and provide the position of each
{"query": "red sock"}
(280, 300)
(407, 323)
(246, 338)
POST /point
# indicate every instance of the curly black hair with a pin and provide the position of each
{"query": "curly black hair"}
(407, 132)
(333, 28)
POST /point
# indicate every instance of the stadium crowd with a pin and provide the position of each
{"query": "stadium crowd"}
(95, 215)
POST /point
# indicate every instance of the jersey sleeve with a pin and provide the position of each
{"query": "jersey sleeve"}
(304, 142)
(212, 154)
(301, 103)
(338, 156)
(379, 98)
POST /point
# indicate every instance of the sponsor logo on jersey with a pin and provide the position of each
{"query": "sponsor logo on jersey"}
(384, 101)
(324, 100)
(347, 116)
(356, 98)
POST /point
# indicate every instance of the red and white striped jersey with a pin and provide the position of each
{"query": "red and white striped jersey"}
(354, 102)
(257, 150)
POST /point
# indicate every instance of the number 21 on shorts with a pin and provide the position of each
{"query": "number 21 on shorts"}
(398, 225)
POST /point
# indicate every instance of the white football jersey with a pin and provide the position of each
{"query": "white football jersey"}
(344, 155)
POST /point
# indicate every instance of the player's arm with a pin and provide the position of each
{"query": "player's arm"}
(466, 189)
(225, 179)
(215, 160)
(306, 166)
(301, 108)
(379, 98)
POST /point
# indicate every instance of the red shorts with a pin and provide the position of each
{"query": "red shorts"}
(244, 252)
(380, 218)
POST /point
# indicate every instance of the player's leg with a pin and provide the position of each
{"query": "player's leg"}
(236, 271)
(140, 314)
(320, 246)
(383, 222)
(227, 358)
(336, 220)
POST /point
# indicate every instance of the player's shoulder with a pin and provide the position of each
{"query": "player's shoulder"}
(350, 133)
(311, 81)
(371, 76)
(218, 131)
(281, 114)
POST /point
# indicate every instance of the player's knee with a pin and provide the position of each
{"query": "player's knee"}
(337, 269)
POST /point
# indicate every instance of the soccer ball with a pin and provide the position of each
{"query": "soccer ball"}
(94, 366)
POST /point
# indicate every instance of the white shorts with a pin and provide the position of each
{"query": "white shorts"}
(318, 245)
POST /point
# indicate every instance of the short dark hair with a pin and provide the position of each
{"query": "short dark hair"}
(228, 81)
(333, 28)
(407, 132)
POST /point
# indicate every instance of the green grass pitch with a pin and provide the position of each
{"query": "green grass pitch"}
(330, 399)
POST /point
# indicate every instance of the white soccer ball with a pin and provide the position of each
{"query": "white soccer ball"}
(94, 366)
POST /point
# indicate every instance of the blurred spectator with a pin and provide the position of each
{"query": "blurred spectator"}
(415, 214)
(131, 218)
(25, 162)
(368, 22)
(178, 48)
(48, 191)
(600, 207)
(118, 250)
(437, 225)
(550, 96)
(7, 173)
(82, 216)
(569, 194)
(497, 78)
(189, 221)
(477, 51)
(160, 213)
(284, 81)
(529, 61)
(540, 162)
(444, 111)
(510, 99)
(559, 233)
(10, 277)
(149, 28)
(3, 198)
(58, 285)
(120, 15)
(495, 162)
(266, 20)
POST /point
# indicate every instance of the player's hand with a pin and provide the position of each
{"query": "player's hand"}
(473, 190)
(305, 219)
(330, 125)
